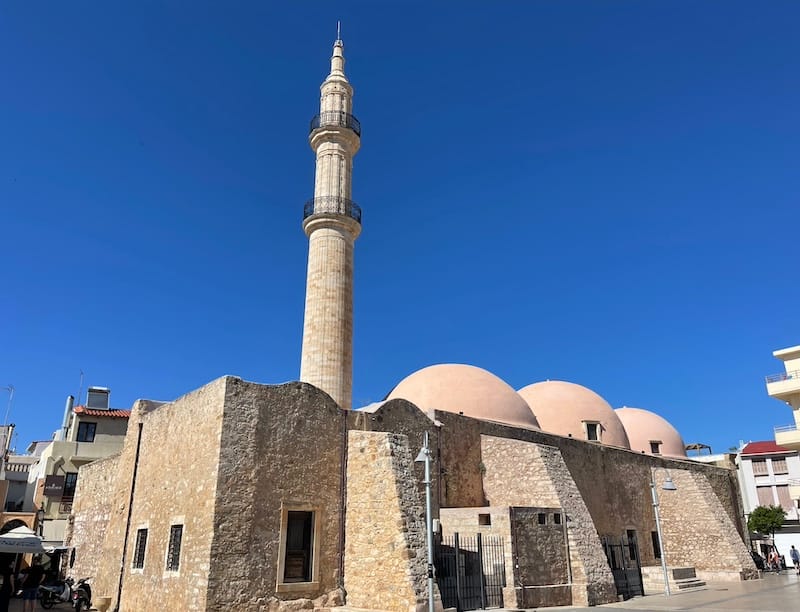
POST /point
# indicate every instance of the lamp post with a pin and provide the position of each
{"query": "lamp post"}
(40, 520)
(667, 486)
(425, 457)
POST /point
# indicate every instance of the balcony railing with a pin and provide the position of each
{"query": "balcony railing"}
(785, 428)
(335, 119)
(332, 205)
(793, 375)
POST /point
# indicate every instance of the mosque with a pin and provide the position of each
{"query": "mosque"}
(251, 497)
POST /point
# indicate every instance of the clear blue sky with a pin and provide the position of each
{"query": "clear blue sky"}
(601, 192)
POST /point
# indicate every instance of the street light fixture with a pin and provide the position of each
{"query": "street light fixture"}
(40, 520)
(425, 457)
(667, 486)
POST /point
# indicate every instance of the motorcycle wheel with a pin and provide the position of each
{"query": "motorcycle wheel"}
(81, 605)
(46, 602)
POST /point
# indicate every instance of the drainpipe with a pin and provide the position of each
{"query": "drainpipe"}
(130, 513)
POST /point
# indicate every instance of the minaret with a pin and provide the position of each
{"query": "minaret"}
(332, 222)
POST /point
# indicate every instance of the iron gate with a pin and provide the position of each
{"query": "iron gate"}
(470, 571)
(623, 559)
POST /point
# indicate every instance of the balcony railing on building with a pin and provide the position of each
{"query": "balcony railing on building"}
(793, 375)
(335, 119)
(785, 429)
(332, 205)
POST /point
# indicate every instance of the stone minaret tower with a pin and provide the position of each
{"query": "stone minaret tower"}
(332, 222)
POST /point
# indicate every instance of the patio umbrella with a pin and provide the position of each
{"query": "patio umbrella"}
(21, 540)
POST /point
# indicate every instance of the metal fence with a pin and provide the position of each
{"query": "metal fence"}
(470, 571)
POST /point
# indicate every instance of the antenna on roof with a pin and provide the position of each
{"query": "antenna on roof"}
(80, 388)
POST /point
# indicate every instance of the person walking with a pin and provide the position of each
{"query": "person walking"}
(7, 588)
(30, 585)
(795, 555)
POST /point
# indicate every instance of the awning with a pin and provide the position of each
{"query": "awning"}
(21, 540)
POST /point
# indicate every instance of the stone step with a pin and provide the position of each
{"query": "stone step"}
(690, 583)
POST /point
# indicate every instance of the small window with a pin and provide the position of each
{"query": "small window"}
(297, 562)
(760, 467)
(656, 544)
(655, 447)
(542, 518)
(86, 432)
(484, 519)
(70, 482)
(138, 551)
(557, 518)
(593, 431)
(174, 549)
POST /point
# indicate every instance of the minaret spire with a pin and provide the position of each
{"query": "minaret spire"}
(332, 222)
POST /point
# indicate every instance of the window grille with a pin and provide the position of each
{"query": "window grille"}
(174, 549)
(141, 546)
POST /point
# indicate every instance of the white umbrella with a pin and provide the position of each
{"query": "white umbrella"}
(20, 540)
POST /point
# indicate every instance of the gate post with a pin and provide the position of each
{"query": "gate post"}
(482, 573)
(457, 549)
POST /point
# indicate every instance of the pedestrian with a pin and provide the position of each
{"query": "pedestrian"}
(774, 560)
(7, 588)
(30, 585)
(795, 555)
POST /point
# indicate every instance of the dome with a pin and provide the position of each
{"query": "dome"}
(567, 409)
(471, 391)
(646, 429)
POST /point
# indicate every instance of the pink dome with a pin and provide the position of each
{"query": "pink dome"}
(645, 429)
(567, 409)
(465, 389)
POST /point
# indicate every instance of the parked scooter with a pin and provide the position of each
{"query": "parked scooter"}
(82, 595)
(53, 594)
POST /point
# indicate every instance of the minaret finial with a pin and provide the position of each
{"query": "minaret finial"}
(338, 31)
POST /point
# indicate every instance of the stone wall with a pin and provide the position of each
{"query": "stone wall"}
(524, 474)
(697, 532)
(176, 483)
(282, 449)
(91, 510)
(385, 555)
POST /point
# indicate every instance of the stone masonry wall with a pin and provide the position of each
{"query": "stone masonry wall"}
(282, 449)
(92, 511)
(709, 542)
(91, 496)
(385, 555)
(176, 483)
(525, 474)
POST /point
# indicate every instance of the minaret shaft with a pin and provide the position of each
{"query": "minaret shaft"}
(332, 224)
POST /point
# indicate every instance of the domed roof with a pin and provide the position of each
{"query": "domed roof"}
(645, 428)
(566, 409)
(466, 389)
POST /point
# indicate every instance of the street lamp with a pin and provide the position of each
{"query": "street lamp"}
(425, 457)
(667, 486)
(40, 520)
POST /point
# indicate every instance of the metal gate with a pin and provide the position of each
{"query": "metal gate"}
(623, 559)
(470, 571)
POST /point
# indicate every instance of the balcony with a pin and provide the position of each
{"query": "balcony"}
(335, 119)
(783, 385)
(332, 205)
(788, 436)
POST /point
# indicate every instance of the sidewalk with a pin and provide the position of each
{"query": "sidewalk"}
(773, 593)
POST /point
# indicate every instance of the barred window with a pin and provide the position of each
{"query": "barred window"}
(174, 549)
(138, 551)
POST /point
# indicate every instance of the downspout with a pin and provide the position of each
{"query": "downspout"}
(130, 514)
(343, 499)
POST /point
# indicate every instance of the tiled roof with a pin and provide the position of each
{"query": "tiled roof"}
(764, 448)
(115, 414)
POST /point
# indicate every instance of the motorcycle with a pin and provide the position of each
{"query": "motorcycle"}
(82, 595)
(53, 594)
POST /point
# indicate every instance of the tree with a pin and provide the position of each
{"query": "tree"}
(766, 519)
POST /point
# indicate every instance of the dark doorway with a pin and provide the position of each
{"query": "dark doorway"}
(623, 559)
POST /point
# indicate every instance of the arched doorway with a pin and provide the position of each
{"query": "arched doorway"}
(12, 524)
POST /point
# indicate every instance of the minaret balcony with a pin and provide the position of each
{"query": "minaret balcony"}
(327, 205)
(336, 119)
